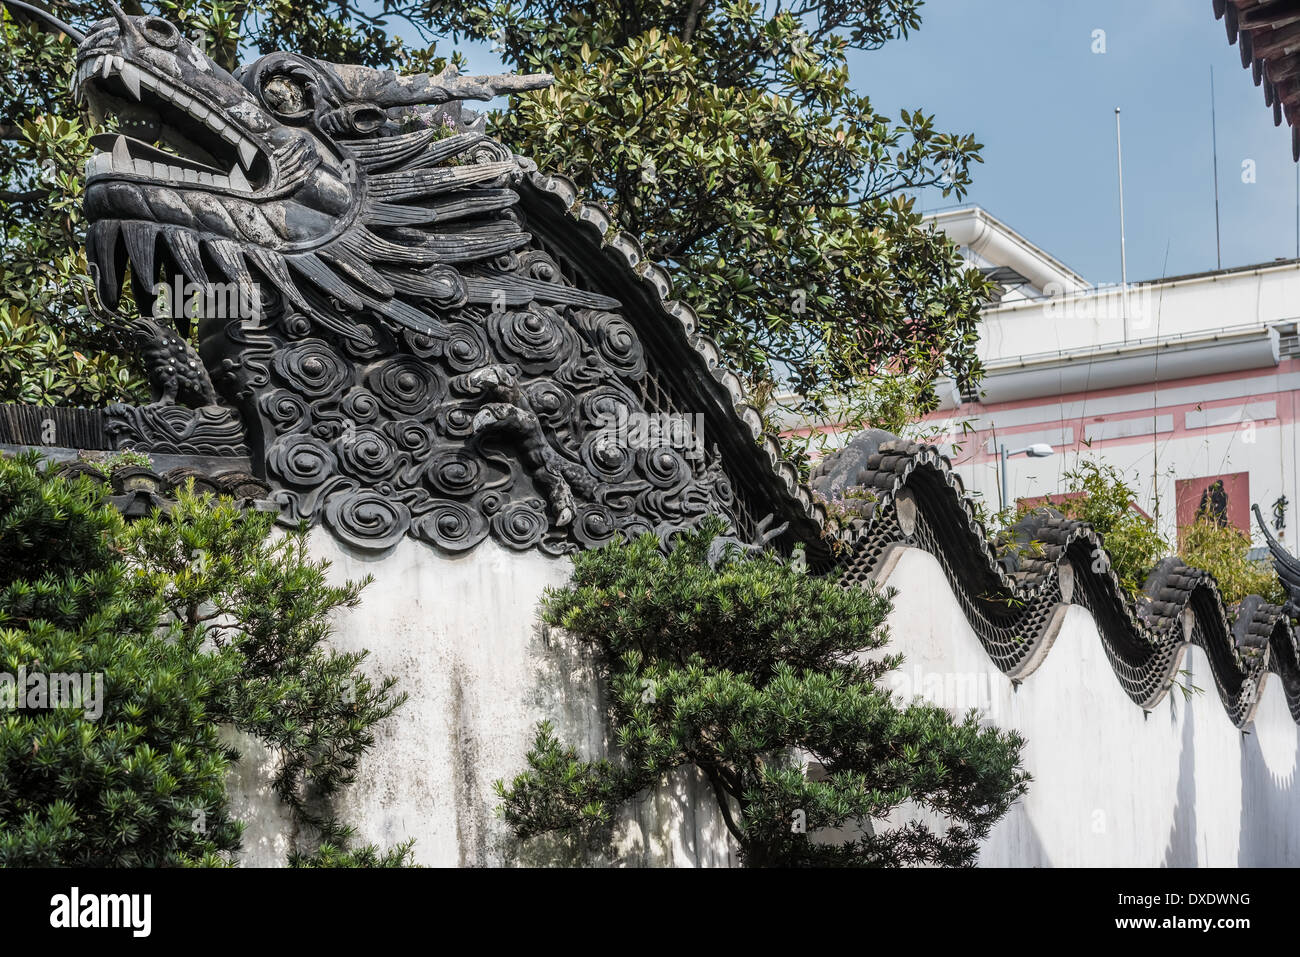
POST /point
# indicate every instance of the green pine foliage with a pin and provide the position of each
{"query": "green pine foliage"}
(199, 619)
(333, 855)
(144, 784)
(740, 672)
(225, 577)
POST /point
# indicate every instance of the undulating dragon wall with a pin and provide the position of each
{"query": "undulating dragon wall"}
(1160, 733)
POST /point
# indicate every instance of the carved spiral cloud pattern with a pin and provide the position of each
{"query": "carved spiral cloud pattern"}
(496, 425)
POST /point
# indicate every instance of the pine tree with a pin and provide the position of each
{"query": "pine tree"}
(144, 782)
(193, 620)
(745, 668)
(230, 581)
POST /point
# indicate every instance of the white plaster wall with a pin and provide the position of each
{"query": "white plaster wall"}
(462, 636)
(1112, 787)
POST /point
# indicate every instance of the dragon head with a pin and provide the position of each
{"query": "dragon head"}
(305, 168)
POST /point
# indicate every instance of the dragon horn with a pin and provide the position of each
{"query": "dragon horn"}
(124, 25)
(386, 89)
(43, 18)
(486, 87)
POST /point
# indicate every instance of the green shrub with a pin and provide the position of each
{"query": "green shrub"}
(144, 783)
(1101, 497)
(739, 670)
(225, 576)
(196, 619)
(331, 855)
(1223, 551)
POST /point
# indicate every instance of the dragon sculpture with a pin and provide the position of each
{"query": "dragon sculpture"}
(1286, 565)
(410, 360)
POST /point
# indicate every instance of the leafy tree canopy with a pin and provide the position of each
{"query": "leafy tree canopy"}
(726, 137)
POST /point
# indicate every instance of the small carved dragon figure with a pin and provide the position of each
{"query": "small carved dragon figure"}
(173, 369)
(1285, 564)
(509, 411)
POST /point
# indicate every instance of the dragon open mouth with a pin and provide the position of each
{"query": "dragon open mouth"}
(146, 108)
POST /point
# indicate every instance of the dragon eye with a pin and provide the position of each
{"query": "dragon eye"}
(284, 95)
(159, 32)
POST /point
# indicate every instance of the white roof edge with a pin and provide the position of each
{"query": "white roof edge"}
(986, 235)
(1227, 274)
(1224, 336)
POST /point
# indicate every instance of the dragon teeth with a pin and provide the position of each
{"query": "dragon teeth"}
(131, 79)
(121, 158)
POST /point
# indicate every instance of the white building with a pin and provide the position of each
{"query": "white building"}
(1180, 382)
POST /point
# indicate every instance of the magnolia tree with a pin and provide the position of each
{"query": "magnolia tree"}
(727, 138)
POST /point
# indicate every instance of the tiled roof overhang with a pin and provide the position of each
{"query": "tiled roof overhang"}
(1268, 34)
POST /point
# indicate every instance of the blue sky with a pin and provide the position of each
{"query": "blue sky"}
(1021, 76)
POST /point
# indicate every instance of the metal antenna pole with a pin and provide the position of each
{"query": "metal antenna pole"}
(1123, 255)
(1002, 502)
(1214, 136)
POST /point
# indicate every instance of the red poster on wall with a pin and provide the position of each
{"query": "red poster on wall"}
(1224, 498)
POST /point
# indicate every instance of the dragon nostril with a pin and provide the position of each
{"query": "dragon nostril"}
(367, 119)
